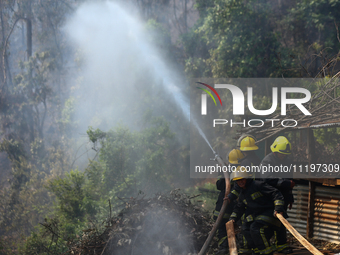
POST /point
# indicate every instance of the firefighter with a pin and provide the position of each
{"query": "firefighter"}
(233, 159)
(262, 202)
(247, 145)
(248, 148)
(281, 149)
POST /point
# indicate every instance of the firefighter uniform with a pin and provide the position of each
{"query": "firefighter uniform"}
(283, 185)
(233, 159)
(248, 147)
(260, 200)
(282, 146)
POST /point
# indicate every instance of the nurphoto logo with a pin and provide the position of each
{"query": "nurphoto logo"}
(238, 99)
(238, 105)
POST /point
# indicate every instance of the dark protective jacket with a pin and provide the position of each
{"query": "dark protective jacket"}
(234, 193)
(260, 199)
(283, 185)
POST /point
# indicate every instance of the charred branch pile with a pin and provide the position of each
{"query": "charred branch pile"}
(165, 224)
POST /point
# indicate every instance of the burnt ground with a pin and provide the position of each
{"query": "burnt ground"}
(323, 246)
(168, 224)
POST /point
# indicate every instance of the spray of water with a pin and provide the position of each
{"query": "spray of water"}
(202, 134)
(116, 53)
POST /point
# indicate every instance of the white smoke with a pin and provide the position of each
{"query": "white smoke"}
(117, 58)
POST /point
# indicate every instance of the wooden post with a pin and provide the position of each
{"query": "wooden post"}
(266, 147)
(310, 146)
(310, 213)
(300, 137)
(267, 144)
(311, 193)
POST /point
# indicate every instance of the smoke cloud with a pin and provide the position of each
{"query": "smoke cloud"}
(119, 65)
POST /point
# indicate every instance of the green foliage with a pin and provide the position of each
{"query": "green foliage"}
(328, 137)
(159, 34)
(240, 39)
(72, 197)
(95, 135)
(36, 245)
(131, 161)
(27, 125)
(67, 115)
(48, 239)
(31, 94)
(261, 38)
(320, 20)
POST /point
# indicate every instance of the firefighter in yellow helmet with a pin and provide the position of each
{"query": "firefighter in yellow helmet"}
(281, 149)
(262, 201)
(235, 156)
(243, 136)
(233, 159)
(246, 144)
(248, 147)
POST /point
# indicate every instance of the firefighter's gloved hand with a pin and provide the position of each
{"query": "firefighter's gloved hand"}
(233, 220)
(290, 206)
(276, 212)
(227, 198)
(234, 223)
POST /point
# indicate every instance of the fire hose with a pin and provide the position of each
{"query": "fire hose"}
(222, 211)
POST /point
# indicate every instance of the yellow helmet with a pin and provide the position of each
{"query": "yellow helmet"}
(248, 144)
(234, 156)
(240, 173)
(241, 138)
(281, 145)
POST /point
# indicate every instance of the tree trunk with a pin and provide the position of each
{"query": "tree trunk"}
(7, 77)
(28, 38)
